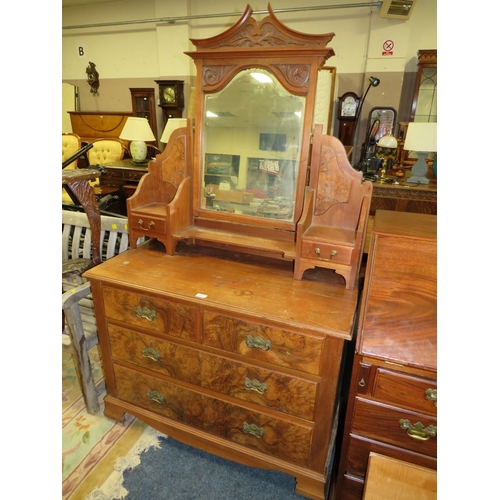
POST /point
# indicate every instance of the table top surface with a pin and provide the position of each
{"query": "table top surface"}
(260, 288)
(127, 164)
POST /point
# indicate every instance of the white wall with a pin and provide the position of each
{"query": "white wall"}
(157, 50)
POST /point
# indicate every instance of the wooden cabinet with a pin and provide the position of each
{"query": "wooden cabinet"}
(392, 404)
(143, 105)
(227, 353)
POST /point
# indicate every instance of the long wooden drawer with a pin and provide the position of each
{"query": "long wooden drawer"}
(267, 388)
(155, 314)
(382, 422)
(274, 436)
(256, 341)
(406, 391)
(360, 448)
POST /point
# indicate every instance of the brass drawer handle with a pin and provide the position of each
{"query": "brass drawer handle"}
(156, 397)
(258, 343)
(151, 225)
(418, 431)
(255, 385)
(333, 253)
(432, 395)
(146, 313)
(149, 352)
(362, 382)
(253, 429)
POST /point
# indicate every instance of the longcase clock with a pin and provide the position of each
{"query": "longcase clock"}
(171, 98)
(347, 115)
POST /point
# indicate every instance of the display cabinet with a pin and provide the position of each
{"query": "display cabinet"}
(143, 105)
(424, 103)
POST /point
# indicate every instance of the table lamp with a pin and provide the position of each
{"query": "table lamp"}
(387, 146)
(138, 131)
(172, 124)
(421, 138)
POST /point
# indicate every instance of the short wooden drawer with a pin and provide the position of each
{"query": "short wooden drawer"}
(382, 423)
(147, 223)
(407, 391)
(134, 176)
(280, 438)
(255, 341)
(274, 390)
(324, 252)
(359, 449)
(154, 314)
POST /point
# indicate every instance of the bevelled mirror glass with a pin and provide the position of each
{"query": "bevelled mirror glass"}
(252, 134)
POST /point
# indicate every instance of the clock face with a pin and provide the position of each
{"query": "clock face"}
(169, 94)
(349, 106)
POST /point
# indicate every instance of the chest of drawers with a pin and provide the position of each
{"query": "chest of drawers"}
(227, 353)
(392, 405)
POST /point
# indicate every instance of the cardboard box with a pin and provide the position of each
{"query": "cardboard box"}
(234, 196)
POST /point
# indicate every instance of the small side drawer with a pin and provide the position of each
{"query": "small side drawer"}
(382, 423)
(112, 173)
(333, 254)
(135, 176)
(255, 341)
(147, 223)
(277, 437)
(155, 314)
(406, 391)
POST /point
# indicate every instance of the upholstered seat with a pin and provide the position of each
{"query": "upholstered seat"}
(106, 151)
(71, 144)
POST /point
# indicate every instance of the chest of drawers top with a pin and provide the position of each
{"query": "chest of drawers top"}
(398, 317)
(257, 288)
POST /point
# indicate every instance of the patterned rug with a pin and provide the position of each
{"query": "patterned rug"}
(96, 450)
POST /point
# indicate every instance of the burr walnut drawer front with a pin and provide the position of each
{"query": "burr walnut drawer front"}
(409, 430)
(324, 252)
(152, 313)
(274, 390)
(285, 439)
(406, 391)
(261, 342)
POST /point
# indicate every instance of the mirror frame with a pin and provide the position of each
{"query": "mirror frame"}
(295, 59)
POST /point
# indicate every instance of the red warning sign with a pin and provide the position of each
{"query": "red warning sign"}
(388, 48)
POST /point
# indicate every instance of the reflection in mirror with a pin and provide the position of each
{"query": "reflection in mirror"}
(252, 135)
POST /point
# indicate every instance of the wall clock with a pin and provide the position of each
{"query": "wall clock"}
(347, 116)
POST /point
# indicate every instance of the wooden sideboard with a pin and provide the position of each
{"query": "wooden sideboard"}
(228, 353)
(392, 403)
(93, 125)
(405, 197)
(123, 176)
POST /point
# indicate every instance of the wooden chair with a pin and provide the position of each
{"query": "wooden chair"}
(79, 325)
(332, 229)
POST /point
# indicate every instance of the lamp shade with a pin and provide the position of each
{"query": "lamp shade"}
(387, 141)
(421, 137)
(172, 124)
(137, 129)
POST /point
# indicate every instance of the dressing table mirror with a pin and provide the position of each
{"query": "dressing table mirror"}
(237, 177)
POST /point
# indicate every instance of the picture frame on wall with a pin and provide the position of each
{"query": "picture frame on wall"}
(272, 142)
